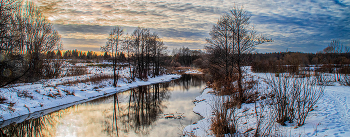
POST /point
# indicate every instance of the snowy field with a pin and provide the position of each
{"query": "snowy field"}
(330, 117)
(26, 98)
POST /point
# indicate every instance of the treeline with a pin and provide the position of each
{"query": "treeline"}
(25, 35)
(186, 57)
(73, 54)
(325, 60)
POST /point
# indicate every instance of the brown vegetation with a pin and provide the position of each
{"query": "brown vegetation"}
(224, 120)
(92, 79)
(25, 36)
(293, 98)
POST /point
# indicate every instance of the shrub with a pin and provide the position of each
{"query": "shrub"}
(52, 68)
(323, 79)
(346, 80)
(293, 98)
(224, 120)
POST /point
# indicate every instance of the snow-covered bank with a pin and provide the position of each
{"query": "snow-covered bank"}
(204, 107)
(330, 117)
(23, 99)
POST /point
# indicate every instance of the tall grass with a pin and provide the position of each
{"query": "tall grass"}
(225, 119)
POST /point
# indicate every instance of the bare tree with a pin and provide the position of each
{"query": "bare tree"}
(336, 47)
(232, 37)
(245, 39)
(221, 42)
(332, 50)
(25, 36)
(127, 47)
(112, 46)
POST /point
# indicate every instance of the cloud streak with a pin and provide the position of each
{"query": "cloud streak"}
(306, 26)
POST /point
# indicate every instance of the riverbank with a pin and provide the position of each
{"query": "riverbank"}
(27, 98)
(330, 116)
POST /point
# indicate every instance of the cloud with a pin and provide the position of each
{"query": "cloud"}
(306, 26)
(92, 37)
(182, 40)
(83, 44)
(78, 35)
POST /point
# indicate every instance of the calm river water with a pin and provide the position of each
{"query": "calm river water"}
(159, 110)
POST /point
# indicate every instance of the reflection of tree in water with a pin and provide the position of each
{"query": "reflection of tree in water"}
(187, 81)
(143, 108)
(140, 110)
(110, 121)
(42, 126)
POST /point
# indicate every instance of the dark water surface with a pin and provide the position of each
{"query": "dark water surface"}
(161, 110)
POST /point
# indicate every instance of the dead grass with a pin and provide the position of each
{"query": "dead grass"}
(25, 94)
(10, 106)
(189, 134)
(51, 95)
(2, 100)
(225, 119)
(93, 79)
(220, 125)
(68, 92)
(76, 71)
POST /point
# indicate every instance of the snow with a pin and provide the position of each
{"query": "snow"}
(330, 117)
(26, 98)
(204, 108)
(193, 72)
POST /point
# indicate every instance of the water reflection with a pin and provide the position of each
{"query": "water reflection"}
(43, 126)
(142, 110)
(138, 112)
(187, 81)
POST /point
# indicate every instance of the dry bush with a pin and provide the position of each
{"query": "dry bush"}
(69, 92)
(250, 91)
(323, 79)
(228, 86)
(293, 98)
(52, 68)
(221, 82)
(225, 86)
(265, 124)
(346, 80)
(225, 120)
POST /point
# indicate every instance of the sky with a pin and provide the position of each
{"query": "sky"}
(294, 25)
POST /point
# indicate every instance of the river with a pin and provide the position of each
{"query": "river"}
(155, 110)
